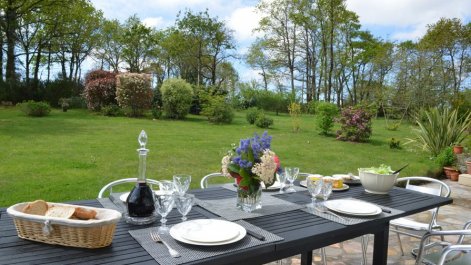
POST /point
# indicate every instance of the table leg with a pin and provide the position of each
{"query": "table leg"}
(306, 258)
(380, 250)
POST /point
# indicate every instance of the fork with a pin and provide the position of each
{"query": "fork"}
(156, 238)
(323, 209)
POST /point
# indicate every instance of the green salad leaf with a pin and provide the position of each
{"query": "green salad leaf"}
(382, 169)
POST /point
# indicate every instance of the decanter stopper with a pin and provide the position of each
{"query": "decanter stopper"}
(142, 139)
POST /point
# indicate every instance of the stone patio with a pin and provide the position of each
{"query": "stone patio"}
(349, 252)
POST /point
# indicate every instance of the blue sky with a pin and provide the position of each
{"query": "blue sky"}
(395, 20)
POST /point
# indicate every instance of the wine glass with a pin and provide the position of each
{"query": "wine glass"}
(326, 190)
(291, 175)
(184, 203)
(166, 187)
(282, 178)
(164, 204)
(181, 183)
(314, 186)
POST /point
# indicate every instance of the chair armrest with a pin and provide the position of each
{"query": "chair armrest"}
(450, 249)
(460, 233)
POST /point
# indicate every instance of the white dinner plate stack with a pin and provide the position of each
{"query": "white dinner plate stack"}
(353, 207)
(207, 232)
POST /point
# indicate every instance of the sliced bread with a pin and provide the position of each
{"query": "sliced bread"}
(60, 211)
(38, 207)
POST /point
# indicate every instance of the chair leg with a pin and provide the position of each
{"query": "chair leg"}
(400, 243)
(279, 262)
(323, 256)
(364, 248)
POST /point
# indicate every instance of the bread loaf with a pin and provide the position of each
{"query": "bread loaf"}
(84, 214)
(38, 207)
(61, 212)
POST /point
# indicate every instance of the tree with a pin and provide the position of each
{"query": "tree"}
(258, 59)
(111, 44)
(139, 44)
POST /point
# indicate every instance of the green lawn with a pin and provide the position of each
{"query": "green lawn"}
(70, 156)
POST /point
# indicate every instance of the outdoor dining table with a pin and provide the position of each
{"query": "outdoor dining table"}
(300, 230)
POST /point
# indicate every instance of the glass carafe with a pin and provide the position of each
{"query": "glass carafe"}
(140, 202)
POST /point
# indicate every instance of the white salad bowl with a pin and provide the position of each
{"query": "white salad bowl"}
(377, 183)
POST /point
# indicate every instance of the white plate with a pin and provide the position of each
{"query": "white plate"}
(353, 207)
(344, 187)
(207, 232)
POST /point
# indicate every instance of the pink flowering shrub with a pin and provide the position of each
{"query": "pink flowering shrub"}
(134, 93)
(355, 125)
(100, 89)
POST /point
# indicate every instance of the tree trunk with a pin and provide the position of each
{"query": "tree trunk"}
(10, 23)
(1, 58)
(36, 67)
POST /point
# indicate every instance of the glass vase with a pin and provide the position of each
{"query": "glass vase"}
(249, 198)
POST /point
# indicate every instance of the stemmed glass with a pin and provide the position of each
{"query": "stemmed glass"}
(282, 178)
(184, 204)
(291, 175)
(166, 187)
(326, 190)
(314, 186)
(164, 203)
(181, 183)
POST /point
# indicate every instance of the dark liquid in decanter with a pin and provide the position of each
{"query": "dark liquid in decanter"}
(141, 201)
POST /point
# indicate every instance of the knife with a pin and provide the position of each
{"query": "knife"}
(255, 234)
(385, 210)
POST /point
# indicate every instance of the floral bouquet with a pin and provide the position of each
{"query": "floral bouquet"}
(252, 162)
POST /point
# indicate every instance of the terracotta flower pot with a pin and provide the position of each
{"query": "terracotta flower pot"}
(468, 165)
(454, 175)
(449, 170)
(458, 149)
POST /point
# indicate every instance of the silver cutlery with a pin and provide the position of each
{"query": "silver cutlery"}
(323, 209)
(156, 238)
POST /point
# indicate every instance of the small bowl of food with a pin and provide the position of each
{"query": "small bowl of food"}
(377, 180)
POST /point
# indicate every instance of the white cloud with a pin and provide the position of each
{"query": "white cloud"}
(154, 22)
(408, 17)
(243, 21)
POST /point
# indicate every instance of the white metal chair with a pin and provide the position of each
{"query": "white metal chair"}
(110, 185)
(405, 226)
(462, 252)
(205, 181)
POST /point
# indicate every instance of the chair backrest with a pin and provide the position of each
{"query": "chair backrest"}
(440, 188)
(110, 185)
(205, 180)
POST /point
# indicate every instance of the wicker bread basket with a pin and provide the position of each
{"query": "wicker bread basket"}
(94, 233)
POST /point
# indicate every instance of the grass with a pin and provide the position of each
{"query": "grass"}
(71, 155)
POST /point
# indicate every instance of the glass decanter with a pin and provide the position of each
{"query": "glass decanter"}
(140, 202)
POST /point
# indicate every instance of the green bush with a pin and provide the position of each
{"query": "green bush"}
(446, 157)
(77, 102)
(326, 113)
(112, 110)
(218, 111)
(35, 109)
(252, 114)
(311, 107)
(394, 144)
(441, 129)
(263, 121)
(134, 93)
(177, 96)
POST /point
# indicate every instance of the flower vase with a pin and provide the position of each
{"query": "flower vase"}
(249, 198)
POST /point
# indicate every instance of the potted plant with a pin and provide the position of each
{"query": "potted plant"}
(446, 159)
(457, 149)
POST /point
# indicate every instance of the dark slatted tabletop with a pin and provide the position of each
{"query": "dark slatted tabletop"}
(302, 232)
